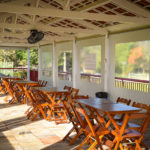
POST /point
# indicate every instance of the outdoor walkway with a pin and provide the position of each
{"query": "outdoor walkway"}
(18, 133)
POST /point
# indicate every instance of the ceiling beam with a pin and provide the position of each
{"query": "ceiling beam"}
(132, 8)
(70, 14)
(16, 35)
(26, 35)
(52, 29)
(10, 44)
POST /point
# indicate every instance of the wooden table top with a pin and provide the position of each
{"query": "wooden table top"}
(25, 81)
(9, 77)
(95, 101)
(49, 89)
(108, 107)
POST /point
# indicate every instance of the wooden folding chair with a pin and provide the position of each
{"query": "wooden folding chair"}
(125, 137)
(93, 132)
(74, 93)
(135, 126)
(10, 90)
(44, 83)
(2, 88)
(58, 111)
(20, 93)
(40, 82)
(123, 100)
(38, 107)
(67, 88)
(72, 119)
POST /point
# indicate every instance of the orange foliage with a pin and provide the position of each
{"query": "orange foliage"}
(136, 53)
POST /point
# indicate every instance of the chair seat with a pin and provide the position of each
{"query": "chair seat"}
(59, 105)
(130, 125)
(129, 133)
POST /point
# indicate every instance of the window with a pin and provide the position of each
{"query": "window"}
(13, 62)
(46, 60)
(132, 63)
(90, 63)
(65, 65)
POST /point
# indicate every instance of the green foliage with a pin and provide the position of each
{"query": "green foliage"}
(19, 59)
(34, 58)
(68, 61)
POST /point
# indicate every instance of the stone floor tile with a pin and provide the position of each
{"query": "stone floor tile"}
(50, 140)
(19, 133)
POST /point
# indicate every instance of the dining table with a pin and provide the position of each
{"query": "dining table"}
(20, 84)
(109, 109)
(55, 96)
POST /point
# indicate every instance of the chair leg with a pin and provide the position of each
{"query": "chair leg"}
(83, 142)
(117, 145)
(138, 147)
(95, 143)
(67, 135)
(73, 140)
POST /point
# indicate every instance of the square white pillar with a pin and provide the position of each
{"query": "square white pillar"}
(106, 62)
(75, 73)
(55, 65)
(28, 73)
(39, 63)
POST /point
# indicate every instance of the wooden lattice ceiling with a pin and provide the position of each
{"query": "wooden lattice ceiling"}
(66, 19)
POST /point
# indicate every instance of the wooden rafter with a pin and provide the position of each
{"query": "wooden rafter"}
(52, 29)
(132, 8)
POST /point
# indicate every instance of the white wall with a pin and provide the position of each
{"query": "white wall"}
(115, 92)
(87, 87)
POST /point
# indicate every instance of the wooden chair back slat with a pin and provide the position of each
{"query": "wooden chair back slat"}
(142, 106)
(124, 101)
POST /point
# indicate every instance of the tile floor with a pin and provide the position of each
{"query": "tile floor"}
(18, 133)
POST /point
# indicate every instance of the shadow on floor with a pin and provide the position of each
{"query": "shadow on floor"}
(62, 146)
(4, 143)
(14, 123)
(7, 105)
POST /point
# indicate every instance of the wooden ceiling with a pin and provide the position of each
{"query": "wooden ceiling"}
(66, 19)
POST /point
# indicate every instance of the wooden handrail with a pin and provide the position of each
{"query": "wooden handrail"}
(134, 80)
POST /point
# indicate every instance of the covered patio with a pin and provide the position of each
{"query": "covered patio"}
(89, 45)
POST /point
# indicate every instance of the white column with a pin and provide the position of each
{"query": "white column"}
(65, 63)
(75, 75)
(28, 73)
(39, 63)
(55, 66)
(106, 62)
